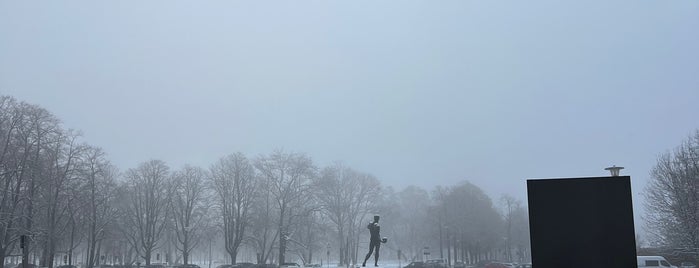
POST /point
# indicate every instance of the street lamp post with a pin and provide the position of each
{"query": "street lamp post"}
(328, 255)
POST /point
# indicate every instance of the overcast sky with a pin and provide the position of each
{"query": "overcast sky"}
(415, 92)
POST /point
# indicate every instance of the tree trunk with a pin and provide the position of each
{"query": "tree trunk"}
(147, 255)
(72, 244)
(2, 257)
(98, 251)
(340, 247)
(234, 256)
(282, 249)
(91, 252)
(25, 252)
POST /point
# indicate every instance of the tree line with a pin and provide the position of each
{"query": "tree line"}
(62, 198)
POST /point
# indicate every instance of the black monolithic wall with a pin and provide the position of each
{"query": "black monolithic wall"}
(582, 222)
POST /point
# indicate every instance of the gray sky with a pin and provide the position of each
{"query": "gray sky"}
(416, 92)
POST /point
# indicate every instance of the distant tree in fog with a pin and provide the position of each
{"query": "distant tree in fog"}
(288, 177)
(312, 236)
(672, 196)
(516, 225)
(188, 205)
(62, 158)
(346, 196)
(471, 224)
(99, 193)
(146, 213)
(408, 223)
(234, 183)
(263, 231)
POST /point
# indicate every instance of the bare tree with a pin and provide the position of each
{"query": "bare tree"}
(100, 191)
(39, 130)
(15, 152)
(520, 234)
(509, 204)
(188, 208)
(263, 232)
(62, 163)
(39, 168)
(288, 176)
(672, 197)
(516, 224)
(472, 226)
(346, 196)
(407, 220)
(233, 180)
(149, 191)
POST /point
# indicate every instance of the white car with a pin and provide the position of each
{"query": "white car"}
(653, 261)
(687, 265)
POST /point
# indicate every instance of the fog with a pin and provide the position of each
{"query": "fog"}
(412, 92)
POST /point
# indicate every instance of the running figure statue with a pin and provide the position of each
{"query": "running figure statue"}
(375, 242)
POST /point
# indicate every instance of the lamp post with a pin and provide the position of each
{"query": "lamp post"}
(614, 170)
(328, 255)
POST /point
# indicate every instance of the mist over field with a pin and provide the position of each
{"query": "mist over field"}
(173, 133)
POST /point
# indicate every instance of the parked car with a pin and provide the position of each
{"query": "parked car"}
(484, 263)
(415, 264)
(436, 263)
(687, 265)
(243, 265)
(497, 265)
(29, 266)
(155, 266)
(653, 261)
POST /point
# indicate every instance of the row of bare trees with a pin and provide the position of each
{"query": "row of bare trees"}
(56, 190)
(68, 200)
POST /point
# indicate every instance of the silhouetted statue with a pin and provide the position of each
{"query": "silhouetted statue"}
(375, 241)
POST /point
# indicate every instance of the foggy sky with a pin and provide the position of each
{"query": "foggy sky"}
(415, 92)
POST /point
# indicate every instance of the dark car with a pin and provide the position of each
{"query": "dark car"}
(415, 264)
(67, 266)
(28, 266)
(436, 263)
(244, 265)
